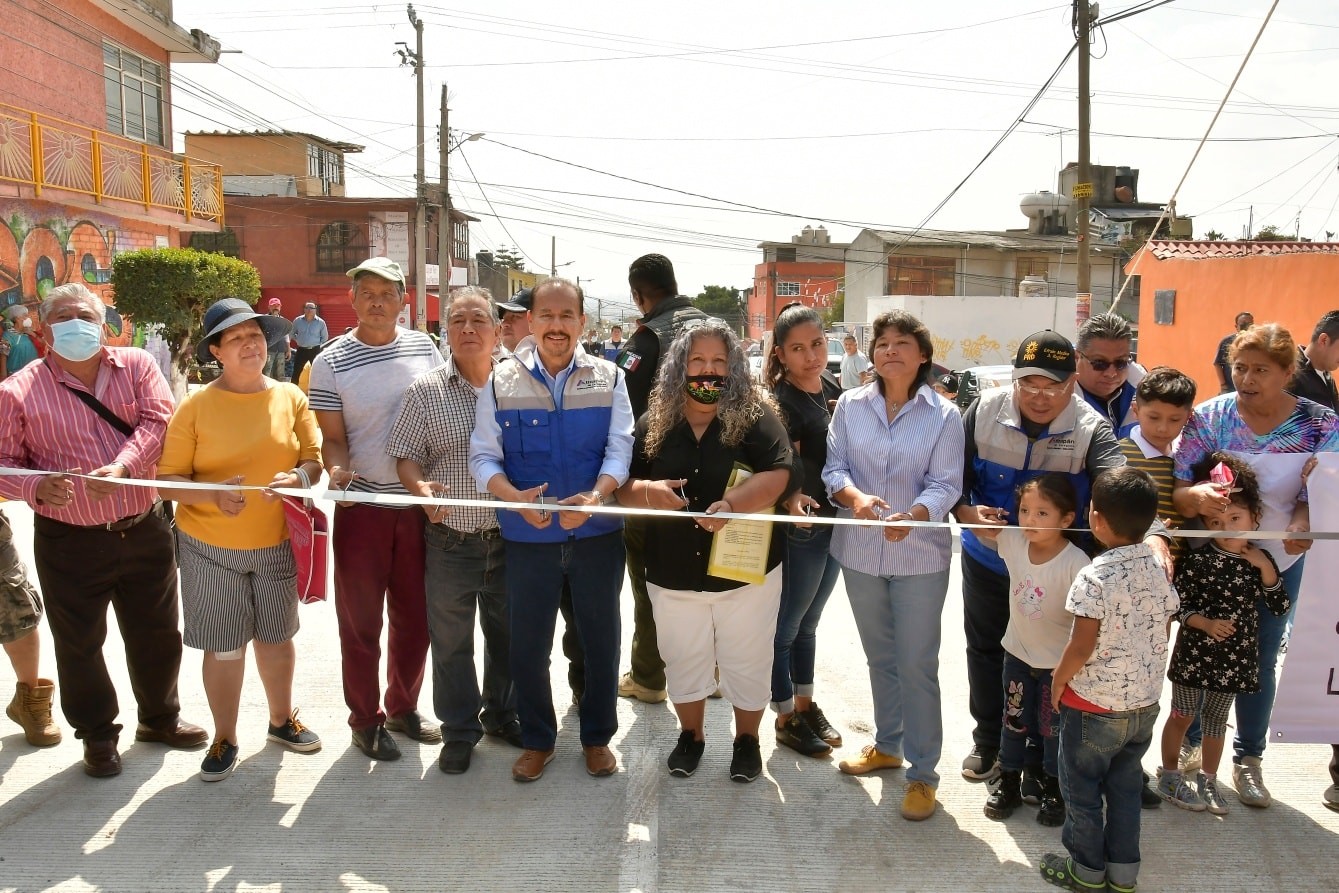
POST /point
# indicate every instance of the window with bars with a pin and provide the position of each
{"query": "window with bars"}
(1030, 265)
(921, 275)
(135, 95)
(223, 242)
(460, 240)
(326, 165)
(788, 289)
(339, 247)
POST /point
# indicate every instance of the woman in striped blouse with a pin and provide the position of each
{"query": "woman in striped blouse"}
(895, 453)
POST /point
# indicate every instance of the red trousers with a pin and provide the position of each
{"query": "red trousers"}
(379, 557)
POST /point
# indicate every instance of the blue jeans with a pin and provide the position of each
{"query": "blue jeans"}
(898, 619)
(1100, 756)
(1028, 717)
(808, 576)
(1254, 710)
(462, 571)
(535, 574)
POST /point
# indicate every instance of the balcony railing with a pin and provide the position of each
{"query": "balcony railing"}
(48, 153)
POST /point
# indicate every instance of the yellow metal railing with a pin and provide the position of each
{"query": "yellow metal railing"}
(49, 153)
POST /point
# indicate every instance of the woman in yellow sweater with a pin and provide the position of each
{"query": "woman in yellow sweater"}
(238, 576)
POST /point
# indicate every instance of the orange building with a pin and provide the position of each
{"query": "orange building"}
(810, 268)
(1191, 291)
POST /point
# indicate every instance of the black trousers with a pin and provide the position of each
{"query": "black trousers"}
(82, 572)
(301, 357)
(985, 616)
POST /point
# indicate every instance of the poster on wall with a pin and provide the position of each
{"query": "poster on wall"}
(1306, 708)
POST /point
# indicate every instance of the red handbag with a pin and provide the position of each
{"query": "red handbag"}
(309, 535)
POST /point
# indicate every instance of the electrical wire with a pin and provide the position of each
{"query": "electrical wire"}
(1139, 255)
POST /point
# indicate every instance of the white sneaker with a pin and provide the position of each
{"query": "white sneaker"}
(1209, 793)
(1248, 778)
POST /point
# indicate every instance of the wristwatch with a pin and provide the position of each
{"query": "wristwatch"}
(601, 498)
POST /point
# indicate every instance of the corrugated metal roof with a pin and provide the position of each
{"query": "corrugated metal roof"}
(346, 148)
(1204, 250)
(1001, 240)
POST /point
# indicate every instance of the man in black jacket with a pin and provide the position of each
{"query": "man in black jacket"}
(664, 313)
(1316, 362)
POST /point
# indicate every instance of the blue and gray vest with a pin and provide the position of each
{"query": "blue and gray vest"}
(542, 443)
(1006, 457)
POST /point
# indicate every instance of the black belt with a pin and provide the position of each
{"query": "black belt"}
(124, 523)
(491, 533)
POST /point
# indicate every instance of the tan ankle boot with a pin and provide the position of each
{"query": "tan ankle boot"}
(31, 708)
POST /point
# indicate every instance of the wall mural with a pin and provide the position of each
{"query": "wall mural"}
(38, 255)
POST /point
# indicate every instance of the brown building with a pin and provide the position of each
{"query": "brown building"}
(289, 216)
(86, 167)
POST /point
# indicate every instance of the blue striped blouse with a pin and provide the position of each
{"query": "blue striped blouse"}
(915, 459)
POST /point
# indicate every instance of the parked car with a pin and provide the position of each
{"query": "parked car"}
(971, 382)
(835, 353)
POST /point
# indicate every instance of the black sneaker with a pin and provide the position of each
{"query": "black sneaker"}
(1052, 812)
(1031, 786)
(219, 761)
(796, 734)
(509, 732)
(1148, 797)
(819, 723)
(295, 736)
(1005, 798)
(455, 757)
(376, 743)
(686, 755)
(747, 762)
(982, 764)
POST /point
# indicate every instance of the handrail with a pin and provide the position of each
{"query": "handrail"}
(53, 154)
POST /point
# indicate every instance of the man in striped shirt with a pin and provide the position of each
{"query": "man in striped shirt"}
(98, 543)
(357, 386)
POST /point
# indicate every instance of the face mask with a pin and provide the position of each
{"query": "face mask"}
(705, 388)
(76, 339)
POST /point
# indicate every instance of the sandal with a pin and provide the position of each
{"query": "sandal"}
(1059, 870)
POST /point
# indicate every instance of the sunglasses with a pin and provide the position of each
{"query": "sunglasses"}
(1103, 365)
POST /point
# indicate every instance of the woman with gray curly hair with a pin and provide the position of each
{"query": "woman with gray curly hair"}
(707, 418)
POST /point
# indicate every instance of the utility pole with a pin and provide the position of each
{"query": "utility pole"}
(421, 202)
(553, 256)
(1083, 189)
(444, 225)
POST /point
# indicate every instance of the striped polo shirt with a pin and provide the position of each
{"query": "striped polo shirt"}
(1141, 454)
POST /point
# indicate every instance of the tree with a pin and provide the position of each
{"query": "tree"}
(508, 259)
(1271, 234)
(836, 311)
(722, 302)
(173, 287)
(1213, 235)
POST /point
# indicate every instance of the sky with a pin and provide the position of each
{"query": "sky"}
(699, 129)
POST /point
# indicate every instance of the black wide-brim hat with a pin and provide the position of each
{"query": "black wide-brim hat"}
(225, 314)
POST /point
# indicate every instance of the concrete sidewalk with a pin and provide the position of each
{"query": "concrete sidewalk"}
(336, 821)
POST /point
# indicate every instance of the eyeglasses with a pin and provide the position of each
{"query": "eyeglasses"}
(1103, 365)
(1034, 391)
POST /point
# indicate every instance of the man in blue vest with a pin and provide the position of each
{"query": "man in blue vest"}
(553, 427)
(1038, 425)
(1104, 366)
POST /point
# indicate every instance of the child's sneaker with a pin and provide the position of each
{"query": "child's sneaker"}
(1031, 787)
(1190, 759)
(295, 736)
(1173, 787)
(1209, 793)
(1058, 869)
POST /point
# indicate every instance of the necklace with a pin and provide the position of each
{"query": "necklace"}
(817, 401)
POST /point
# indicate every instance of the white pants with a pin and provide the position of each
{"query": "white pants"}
(734, 630)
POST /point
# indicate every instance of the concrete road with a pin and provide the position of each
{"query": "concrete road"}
(334, 821)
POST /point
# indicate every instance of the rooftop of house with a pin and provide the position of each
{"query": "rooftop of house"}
(1203, 250)
(1000, 240)
(347, 148)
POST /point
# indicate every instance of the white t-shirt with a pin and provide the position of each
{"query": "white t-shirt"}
(853, 364)
(1127, 590)
(367, 385)
(1039, 623)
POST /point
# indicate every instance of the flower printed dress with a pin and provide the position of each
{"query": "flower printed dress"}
(1220, 585)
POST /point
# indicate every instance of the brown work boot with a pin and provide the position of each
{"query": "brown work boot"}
(31, 708)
